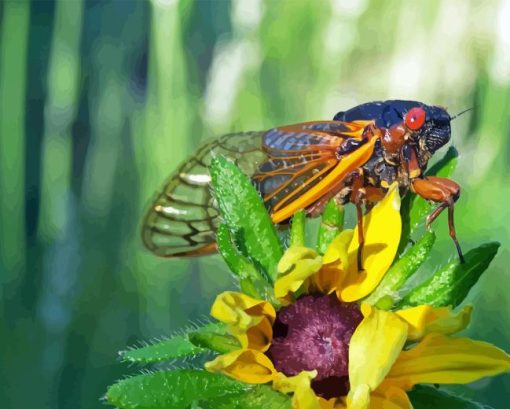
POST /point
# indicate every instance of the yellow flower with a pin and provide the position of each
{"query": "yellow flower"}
(329, 348)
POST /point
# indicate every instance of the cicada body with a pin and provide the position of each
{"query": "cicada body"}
(353, 158)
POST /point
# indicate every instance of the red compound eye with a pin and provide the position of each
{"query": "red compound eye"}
(415, 118)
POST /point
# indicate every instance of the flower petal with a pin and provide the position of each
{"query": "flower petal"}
(374, 347)
(304, 396)
(330, 403)
(250, 320)
(382, 228)
(445, 360)
(390, 398)
(245, 365)
(337, 250)
(359, 397)
(297, 264)
(425, 319)
(334, 268)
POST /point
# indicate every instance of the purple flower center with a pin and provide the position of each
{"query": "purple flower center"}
(314, 333)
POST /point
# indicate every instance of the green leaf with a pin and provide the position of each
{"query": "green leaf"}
(297, 229)
(215, 337)
(331, 225)
(451, 283)
(427, 397)
(250, 280)
(172, 389)
(386, 293)
(176, 347)
(245, 215)
(414, 208)
(258, 397)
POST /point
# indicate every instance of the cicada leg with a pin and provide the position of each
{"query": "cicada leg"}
(358, 196)
(363, 195)
(442, 191)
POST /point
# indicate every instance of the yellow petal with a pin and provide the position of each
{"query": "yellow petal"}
(334, 268)
(425, 319)
(374, 347)
(297, 264)
(337, 250)
(359, 397)
(382, 227)
(245, 365)
(330, 403)
(249, 320)
(445, 360)
(390, 398)
(304, 396)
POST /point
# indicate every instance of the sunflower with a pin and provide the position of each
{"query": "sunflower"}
(309, 329)
(324, 343)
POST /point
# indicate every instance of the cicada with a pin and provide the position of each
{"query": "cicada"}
(353, 158)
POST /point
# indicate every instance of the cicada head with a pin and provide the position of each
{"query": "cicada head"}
(428, 126)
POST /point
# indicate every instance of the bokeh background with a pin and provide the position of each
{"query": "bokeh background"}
(101, 100)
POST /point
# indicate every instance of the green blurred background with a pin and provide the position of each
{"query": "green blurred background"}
(101, 100)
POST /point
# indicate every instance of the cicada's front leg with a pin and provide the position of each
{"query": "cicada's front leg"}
(442, 191)
(363, 195)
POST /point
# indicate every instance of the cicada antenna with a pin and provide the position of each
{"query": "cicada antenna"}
(461, 113)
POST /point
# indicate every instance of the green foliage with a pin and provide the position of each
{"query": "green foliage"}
(331, 225)
(257, 397)
(214, 337)
(386, 293)
(427, 397)
(175, 347)
(415, 209)
(250, 280)
(172, 389)
(245, 215)
(451, 283)
(192, 388)
(210, 337)
(297, 229)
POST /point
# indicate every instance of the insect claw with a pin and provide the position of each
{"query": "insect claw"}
(459, 250)
(360, 263)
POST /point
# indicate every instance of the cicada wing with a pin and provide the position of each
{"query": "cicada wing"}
(304, 163)
(182, 219)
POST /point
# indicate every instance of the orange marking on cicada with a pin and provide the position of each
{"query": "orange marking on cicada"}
(309, 166)
(348, 164)
(328, 166)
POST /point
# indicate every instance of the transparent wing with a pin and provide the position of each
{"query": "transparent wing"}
(182, 219)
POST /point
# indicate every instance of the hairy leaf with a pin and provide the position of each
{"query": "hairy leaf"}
(386, 292)
(172, 389)
(451, 283)
(245, 215)
(212, 336)
(176, 347)
(250, 280)
(258, 397)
